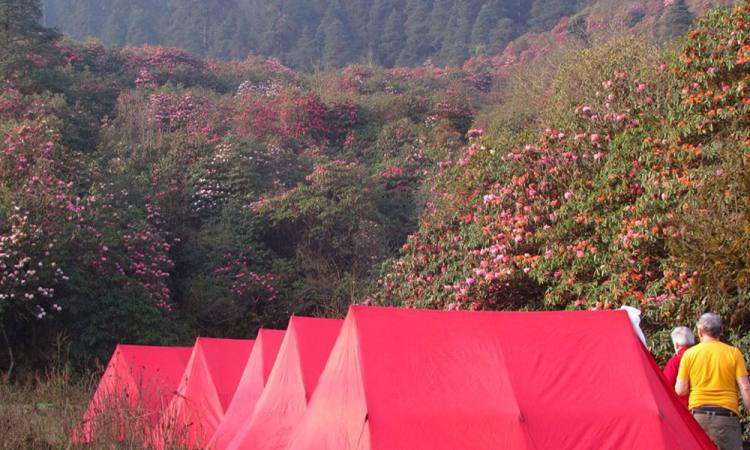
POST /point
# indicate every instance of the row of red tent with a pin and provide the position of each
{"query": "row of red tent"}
(391, 378)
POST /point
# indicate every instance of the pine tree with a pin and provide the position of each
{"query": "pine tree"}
(142, 26)
(439, 18)
(676, 21)
(116, 26)
(336, 38)
(306, 53)
(467, 15)
(225, 28)
(418, 46)
(240, 43)
(291, 18)
(84, 18)
(190, 22)
(453, 47)
(485, 23)
(545, 14)
(377, 22)
(354, 15)
(393, 39)
(517, 10)
(22, 35)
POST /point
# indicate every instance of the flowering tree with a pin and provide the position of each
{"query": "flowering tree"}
(638, 202)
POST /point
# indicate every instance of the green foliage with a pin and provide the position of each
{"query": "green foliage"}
(581, 72)
(676, 20)
(166, 196)
(331, 227)
(524, 96)
(393, 38)
(325, 33)
(635, 193)
(148, 196)
(545, 13)
(25, 42)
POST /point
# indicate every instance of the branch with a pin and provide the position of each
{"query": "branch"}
(10, 357)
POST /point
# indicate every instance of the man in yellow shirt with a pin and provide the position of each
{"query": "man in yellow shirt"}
(709, 373)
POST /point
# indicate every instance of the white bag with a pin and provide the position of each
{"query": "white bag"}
(635, 318)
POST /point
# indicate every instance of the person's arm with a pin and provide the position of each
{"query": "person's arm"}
(740, 372)
(744, 390)
(682, 387)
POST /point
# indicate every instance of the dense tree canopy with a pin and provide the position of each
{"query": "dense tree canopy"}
(385, 32)
(635, 193)
(167, 196)
(22, 35)
(148, 195)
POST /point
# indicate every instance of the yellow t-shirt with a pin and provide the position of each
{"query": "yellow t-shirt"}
(712, 369)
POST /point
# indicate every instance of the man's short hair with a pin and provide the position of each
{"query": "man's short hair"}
(683, 336)
(711, 324)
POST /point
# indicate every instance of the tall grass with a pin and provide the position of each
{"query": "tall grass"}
(40, 412)
(45, 411)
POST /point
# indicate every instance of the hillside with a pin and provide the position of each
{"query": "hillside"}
(148, 195)
(630, 188)
(334, 33)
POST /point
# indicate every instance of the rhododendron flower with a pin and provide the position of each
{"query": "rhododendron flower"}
(568, 195)
(489, 198)
(641, 87)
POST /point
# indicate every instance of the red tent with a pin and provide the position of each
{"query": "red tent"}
(302, 356)
(138, 382)
(250, 387)
(204, 392)
(416, 379)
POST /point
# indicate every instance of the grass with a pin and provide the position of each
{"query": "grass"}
(39, 413)
(42, 413)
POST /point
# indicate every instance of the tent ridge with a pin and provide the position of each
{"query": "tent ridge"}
(360, 368)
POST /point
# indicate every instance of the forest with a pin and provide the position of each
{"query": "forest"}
(321, 33)
(329, 34)
(149, 195)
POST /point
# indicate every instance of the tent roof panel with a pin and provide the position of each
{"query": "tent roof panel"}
(302, 355)
(418, 379)
(249, 388)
